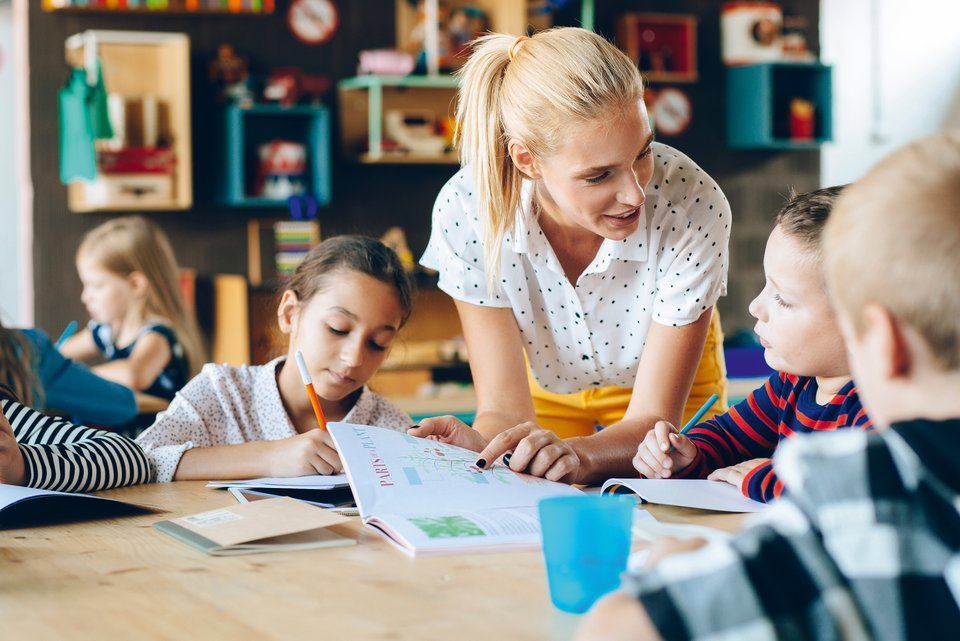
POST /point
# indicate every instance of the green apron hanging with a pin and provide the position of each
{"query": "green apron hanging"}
(83, 118)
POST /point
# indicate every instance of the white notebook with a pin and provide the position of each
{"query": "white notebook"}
(695, 493)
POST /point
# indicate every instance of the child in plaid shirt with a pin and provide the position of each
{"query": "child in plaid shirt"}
(865, 544)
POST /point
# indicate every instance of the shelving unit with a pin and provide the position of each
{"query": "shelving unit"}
(758, 104)
(246, 128)
(364, 100)
(235, 7)
(662, 45)
(137, 64)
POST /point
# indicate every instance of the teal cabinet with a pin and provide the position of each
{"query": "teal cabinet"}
(245, 130)
(763, 102)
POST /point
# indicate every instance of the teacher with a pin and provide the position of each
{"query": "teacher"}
(584, 258)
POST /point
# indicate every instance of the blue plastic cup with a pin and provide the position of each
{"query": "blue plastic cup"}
(586, 542)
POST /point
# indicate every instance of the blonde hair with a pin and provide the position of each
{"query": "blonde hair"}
(894, 240)
(557, 78)
(133, 244)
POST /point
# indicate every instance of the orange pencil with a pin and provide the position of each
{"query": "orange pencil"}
(312, 393)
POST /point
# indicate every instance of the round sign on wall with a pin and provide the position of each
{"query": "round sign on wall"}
(313, 22)
(671, 111)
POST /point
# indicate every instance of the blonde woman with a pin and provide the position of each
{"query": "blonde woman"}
(139, 322)
(577, 247)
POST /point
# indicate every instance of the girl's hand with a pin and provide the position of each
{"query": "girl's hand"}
(664, 451)
(449, 429)
(12, 470)
(735, 474)
(312, 452)
(536, 451)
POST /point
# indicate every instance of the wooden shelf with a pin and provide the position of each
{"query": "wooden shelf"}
(246, 128)
(662, 45)
(758, 104)
(176, 7)
(365, 99)
(136, 64)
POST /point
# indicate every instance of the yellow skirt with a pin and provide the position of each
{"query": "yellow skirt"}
(580, 413)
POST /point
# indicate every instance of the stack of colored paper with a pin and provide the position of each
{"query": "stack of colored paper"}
(292, 240)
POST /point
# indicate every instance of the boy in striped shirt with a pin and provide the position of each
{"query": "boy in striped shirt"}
(866, 542)
(811, 390)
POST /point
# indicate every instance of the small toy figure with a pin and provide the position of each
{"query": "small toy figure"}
(229, 71)
(288, 85)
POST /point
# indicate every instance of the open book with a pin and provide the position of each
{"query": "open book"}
(29, 507)
(696, 493)
(428, 497)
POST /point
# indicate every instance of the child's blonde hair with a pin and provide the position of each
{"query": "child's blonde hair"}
(133, 244)
(532, 90)
(894, 240)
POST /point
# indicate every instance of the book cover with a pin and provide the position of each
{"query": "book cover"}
(271, 525)
(428, 497)
(30, 507)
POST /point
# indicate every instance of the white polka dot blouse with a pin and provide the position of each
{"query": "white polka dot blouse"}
(591, 333)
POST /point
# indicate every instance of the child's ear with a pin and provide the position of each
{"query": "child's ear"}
(287, 310)
(138, 283)
(887, 340)
(523, 159)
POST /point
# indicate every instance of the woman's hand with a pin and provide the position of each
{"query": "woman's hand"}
(312, 452)
(535, 451)
(12, 470)
(449, 429)
(664, 451)
(735, 474)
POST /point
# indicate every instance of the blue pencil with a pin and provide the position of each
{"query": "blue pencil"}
(67, 333)
(703, 410)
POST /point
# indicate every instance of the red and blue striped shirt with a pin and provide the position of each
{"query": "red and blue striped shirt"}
(784, 406)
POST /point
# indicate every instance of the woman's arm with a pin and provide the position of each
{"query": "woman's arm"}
(145, 363)
(499, 376)
(497, 366)
(664, 378)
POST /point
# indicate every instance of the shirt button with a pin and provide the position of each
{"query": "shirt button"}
(586, 358)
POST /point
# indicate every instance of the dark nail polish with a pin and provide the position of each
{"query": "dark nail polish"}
(481, 463)
(506, 458)
(414, 426)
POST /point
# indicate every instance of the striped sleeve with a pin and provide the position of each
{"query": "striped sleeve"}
(59, 455)
(844, 411)
(748, 430)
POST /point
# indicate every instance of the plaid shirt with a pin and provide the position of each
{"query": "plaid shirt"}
(866, 545)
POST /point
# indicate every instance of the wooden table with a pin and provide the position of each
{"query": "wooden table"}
(122, 579)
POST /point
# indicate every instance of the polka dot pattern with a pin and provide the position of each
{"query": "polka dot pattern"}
(591, 333)
(225, 405)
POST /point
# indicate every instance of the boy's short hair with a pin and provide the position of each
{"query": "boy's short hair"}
(894, 240)
(803, 216)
